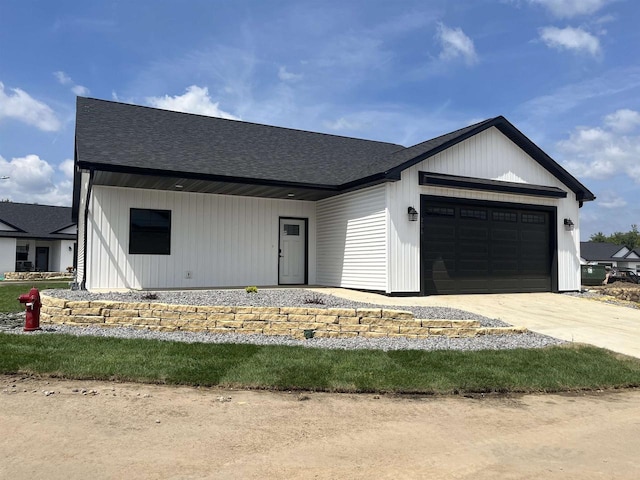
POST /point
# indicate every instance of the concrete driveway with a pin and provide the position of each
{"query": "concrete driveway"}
(561, 316)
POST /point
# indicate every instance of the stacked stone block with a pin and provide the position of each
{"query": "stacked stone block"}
(290, 321)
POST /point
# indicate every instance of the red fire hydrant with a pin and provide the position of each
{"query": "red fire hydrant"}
(33, 304)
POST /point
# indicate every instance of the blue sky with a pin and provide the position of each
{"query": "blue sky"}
(565, 72)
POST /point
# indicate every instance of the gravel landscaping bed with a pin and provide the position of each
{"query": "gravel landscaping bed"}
(277, 297)
(287, 298)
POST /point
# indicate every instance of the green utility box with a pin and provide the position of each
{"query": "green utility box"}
(592, 274)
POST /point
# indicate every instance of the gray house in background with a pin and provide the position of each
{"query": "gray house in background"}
(609, 254)
(36, 238)
(173, 200)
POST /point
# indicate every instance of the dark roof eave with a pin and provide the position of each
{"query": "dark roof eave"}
(369, 181)
(18, 229)
(201, 176)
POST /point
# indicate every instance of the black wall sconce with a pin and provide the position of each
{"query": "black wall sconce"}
(413, 214)
(568, 224)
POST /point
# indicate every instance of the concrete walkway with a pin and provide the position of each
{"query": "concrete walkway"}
(561, 316)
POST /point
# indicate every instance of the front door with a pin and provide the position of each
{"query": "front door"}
(42, 259)
(292, 261)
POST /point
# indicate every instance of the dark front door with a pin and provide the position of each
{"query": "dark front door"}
(485, 247)
(42, 259)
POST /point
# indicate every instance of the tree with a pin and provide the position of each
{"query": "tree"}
(629, 239)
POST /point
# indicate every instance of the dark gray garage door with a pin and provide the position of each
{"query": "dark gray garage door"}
(484, 248)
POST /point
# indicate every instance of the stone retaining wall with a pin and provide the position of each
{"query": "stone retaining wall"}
(37, 275)
(291, 321)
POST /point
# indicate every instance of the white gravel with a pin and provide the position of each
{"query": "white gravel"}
(284, 297)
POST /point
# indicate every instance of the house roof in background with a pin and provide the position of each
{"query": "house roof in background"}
(36, 221)
(118, 137)
(603, 251)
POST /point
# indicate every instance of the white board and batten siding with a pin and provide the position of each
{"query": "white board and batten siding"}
(351, 240)
(216, 240)
(7, 255)
(488, 155)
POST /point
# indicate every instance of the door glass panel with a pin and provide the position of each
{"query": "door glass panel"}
(291, 229)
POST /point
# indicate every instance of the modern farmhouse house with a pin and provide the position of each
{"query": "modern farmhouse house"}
(36, 238)
(174, 200)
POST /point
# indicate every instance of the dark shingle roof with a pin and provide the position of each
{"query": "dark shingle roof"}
(600, 251)
(36, 221)
(117, 134)
(129, 138)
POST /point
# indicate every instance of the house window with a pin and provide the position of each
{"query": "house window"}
(22, 252)
(150, 231)
(292, 230)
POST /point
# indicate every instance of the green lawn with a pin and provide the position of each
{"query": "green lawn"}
(292, 368)
(9, 292)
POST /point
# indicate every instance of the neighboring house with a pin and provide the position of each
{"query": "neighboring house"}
(36, 238)
(174, 200)
(609, 254)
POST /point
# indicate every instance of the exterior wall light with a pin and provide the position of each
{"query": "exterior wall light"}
(568, 224)
(413, 214)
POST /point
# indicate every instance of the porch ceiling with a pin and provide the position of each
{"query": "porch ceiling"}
(203, 185)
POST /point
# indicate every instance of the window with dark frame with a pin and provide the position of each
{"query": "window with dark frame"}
(149, 232)
(22, 253)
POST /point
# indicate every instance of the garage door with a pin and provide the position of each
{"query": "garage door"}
(484, 248)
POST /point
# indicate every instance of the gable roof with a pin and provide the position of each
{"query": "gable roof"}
(115, 135)
(143, 141)
(36, 221)
(601, 251)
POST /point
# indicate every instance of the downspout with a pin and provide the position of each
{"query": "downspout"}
(86, 219)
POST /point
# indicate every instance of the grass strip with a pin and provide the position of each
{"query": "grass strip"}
(551, 369)
(9, 292)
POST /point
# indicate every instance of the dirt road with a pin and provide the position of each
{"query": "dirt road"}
(114, 430)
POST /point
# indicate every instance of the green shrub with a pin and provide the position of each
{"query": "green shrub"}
(251, 289)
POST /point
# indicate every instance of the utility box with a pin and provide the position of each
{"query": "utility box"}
(592, 274)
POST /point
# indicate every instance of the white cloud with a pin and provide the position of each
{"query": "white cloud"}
(591, 91)
(195, 100)
(19, 105)
(32, 179)
(571, 8)
(67, 168)
(80, 90)
(569, 38)
(456, 44)
(65, 79)
(604, 151)
(287, 76)
(623, 120)
(343, 123)
(611, 200)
